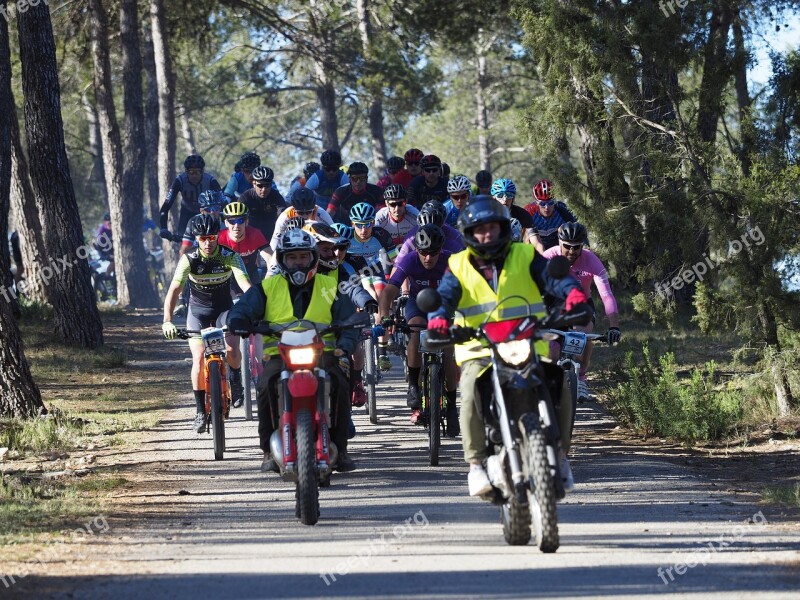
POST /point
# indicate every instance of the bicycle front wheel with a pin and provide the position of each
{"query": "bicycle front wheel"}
(217, 418)
(434, 400)
(370, 379)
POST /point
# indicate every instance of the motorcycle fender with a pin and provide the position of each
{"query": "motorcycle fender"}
(302, 384)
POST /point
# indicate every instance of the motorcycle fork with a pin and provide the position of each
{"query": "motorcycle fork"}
(287, 424)
(322, 419)
(514, 461)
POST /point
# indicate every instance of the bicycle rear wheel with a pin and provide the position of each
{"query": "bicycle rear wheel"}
(217, 419)
(434, 399)
(370, 378)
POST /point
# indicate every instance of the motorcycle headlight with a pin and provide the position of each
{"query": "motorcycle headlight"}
(515, 353)
(302, 356)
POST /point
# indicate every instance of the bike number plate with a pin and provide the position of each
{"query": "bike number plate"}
(213, 340)
(574, 342)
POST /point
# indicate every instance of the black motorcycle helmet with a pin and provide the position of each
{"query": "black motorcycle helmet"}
(480, 210)
(205, 225)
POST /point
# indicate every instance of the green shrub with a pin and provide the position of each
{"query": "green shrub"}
(654, 401)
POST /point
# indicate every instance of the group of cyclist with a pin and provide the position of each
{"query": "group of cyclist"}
(341, 244)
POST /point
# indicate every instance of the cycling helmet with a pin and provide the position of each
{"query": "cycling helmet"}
(310, 168)
(362, 212)
(395, 163)
(297, 240)
(516, 230)
(543, 190)
(331, 158)
(394, 191)
(459, 183)
(480, 210)
(483, 179)
(345, 232)
(323, 232)
(235, 209)
(263, 174)
(106, 216)
(572, 232)
(249, 161)
(445, 170)
(432, 211)
(413, 155)
(429, 239)
(205, 225)
(194, 161)
(211, 198)
(503, 186)
(357, 168)
(294, 223)
(303, 200)
(431, 160)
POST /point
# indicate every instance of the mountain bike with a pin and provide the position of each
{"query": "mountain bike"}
(434, 401)
(399, 337)
(369, 341)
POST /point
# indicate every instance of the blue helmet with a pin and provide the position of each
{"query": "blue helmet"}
(362, 212)
(212, 198)
(345, 232)
(503, 186)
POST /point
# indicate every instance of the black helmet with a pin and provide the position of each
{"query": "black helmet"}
(445, 170)
(395, 163)
(211, 198)
(194, 161)
(249, 161)
(429, 239)
(331, 158)
(394, 191)
(431, 160)
(483, 178)
(432, 211)
(303, 200)
(263, 174)
(205, 225)
(572, 232)
(480, 210)
(358, 168)
(310, 168)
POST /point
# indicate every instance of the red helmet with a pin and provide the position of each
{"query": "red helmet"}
(413, 155)
(543, 190)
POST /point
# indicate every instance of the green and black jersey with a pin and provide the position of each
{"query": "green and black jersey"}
(210, 277)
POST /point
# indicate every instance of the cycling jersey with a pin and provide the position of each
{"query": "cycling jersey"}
(409, 267)
(590, 268)
(452, 213)
(323, 187)
(397, 229)
(319, 214)
(419, 192)
(547, 228)
(209, 277)
(248, 248)
(189, 198)
(453, 242)
(263, 212)
(523, 216)
(344, 199)
(372, 257)
(404, 178)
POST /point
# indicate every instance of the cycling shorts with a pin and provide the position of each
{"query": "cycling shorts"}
(199, 317)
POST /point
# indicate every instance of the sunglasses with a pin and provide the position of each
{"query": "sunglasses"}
(459, 196)
(358, 178)
(572, 247)
(261, 186)
(206, 238)
(194, 171)
(396, 204)
(236, 220)
(363, 224)
(427, 252)
(546, 203)
(330, 169)
(412, 164)
(432, 170)
(505, 196)
(212, 208)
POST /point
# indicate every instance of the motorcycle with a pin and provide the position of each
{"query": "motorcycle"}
(301, 445)
(520, 417)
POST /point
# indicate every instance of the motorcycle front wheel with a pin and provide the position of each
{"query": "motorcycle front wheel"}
(542, 497)
(307, 491)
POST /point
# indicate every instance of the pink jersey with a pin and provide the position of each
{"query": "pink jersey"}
(586, 268)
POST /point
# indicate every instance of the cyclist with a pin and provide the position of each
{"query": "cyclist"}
(504, 191)
(493, 268)
(421, 269)
(394, 165)
(434, 212)
(396, 217)
(303, 206)
(242, 180)
(327, 180)
(548, 215)
(483, 182)
(354, 192)
(299, 293)
(209, 269)
(211, 203)
(459, 189)
(430, 185)
(412, 159)
(189, 184)
(264, 202)
(106, 250)
(300, 181)
(586, 267)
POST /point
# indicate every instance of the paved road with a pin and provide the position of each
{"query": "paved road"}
(397, 528)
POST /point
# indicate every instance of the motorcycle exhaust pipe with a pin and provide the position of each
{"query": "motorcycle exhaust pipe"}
(276, 448)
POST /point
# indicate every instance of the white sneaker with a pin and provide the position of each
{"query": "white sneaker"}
(478, 481)
(583, 391)
(566, 474)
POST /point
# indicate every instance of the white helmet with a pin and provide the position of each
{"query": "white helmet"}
(459, 183)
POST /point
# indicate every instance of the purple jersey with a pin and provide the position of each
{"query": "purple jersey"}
(410, 267)
(453, 242)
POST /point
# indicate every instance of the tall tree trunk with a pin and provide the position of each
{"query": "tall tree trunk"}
(129, 255)
(186, 132)
(97, 174)
(75, 313)
(166, 118)
(151, 122)
(326, 98)
(769, 331)
(373, 87)
(743, 100)
(482, 114)
(716, 71)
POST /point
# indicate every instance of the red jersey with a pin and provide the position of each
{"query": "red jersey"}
(403, 178)
(248, 248)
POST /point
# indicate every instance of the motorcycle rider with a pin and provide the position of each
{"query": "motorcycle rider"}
(493, 268)
(299, 293)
